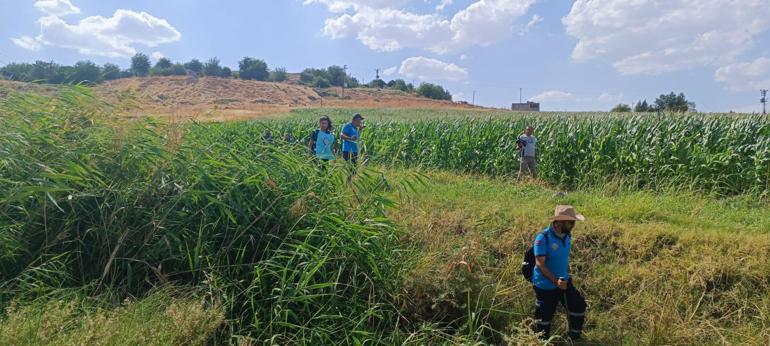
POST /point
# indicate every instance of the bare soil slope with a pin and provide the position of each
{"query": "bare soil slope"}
(211, 98)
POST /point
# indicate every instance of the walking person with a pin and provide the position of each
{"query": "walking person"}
(321, 142)
(551, 279)
(351, 133)
(526, 144)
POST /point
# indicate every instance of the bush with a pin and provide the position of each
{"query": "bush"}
(278, 75)
(621, 108)
(194, 65)
(377, 83)
(212, 68)
(250, 68)
(433, 91)
(110, 72)
(320, 82)
(226, 72)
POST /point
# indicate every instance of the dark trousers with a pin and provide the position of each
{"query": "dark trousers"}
(350, 156)
(545, 307)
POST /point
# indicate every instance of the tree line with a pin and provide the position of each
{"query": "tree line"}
(664, 103)
(87, 72)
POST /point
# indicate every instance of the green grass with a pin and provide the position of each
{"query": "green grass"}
(656, 268)
(138, 231)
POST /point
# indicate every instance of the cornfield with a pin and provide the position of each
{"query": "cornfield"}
(721, 154)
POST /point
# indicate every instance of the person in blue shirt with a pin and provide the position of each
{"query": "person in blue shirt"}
(351, 133)
(551, 279)
(322, 140)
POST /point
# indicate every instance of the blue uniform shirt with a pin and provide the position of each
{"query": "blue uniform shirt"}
(556, 251)
(350, 131)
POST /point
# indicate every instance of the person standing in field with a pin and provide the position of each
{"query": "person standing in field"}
(322, 140)
(551, 279)
(351, 133)
(526, 144)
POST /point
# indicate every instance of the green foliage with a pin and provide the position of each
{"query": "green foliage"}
(400, 84)
(163, 63)
(272, 235)
(226, 72)
(377, 83)
(85, 72)
(621, 108)
(278, 75)
(320, 82)
(717, 154)
(194, 65)
(164, 67)
(212, 68)
(643, 107)
(140, 65)
(433, 91)
(336, 75)
(250, 68)
(110, 72)
(673, 103)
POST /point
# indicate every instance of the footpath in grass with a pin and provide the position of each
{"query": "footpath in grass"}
(655, 267)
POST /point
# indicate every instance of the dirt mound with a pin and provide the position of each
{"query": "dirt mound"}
(212, 98)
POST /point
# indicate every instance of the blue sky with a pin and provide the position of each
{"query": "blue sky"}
(568, 55)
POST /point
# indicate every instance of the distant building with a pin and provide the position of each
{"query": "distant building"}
(526, 107)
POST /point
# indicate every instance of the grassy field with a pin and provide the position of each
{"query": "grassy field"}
(119, 232)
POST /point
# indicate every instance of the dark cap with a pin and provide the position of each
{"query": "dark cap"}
(357, 116)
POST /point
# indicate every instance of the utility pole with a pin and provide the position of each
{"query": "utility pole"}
(377, 76)
(763, 92)
(519, 95)
(474, 98)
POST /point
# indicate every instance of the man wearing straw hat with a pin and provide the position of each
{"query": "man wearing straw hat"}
(551, 279)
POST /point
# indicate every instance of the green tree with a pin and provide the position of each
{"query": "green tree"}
(320, 82)
(433, 91)
(110, 71)
(212, 68)
(308, 75)
(226, 72)
(621, 108)
(673, 103)
(17, 72)
(336, 75)
(85, 72)
(398, 84)
(642, 107)
(194, 65)
(48, 72)
(377, 83)
(163, 63)
(250, 68)
(278, 75)
(140, 65)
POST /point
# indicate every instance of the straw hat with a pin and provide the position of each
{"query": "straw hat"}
(566, 213)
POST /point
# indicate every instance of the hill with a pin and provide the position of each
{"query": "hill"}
(214, 99)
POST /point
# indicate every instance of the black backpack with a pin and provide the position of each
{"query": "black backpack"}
(528, 265)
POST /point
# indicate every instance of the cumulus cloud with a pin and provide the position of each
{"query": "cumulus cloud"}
(745, 76)
(553, 96)
(431, 69)
(157, 56)
(26, 42)
(390, 71)
(57, 8)
(115, 36)
(382, 26)
(685, 33)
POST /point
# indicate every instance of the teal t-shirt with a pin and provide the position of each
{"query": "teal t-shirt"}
(323, 144)
(556, 252)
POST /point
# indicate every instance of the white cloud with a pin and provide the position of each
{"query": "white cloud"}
(431, 69)
(390, 71)
(444, 4)
(745, 76)
(157, 56)
(115, 36)
(26, 42)
(535, 19)
(608, 97)
(390, 29)
(553, 96)
(57, 8)
(654, 36)
(345, 5)
(463, 57)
